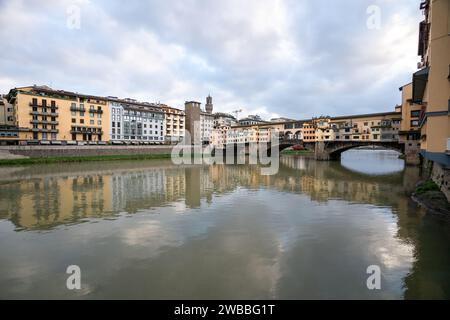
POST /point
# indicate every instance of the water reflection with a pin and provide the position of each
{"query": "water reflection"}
(154, 230)
(375, 162)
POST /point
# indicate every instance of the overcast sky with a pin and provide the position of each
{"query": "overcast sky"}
(293, 58)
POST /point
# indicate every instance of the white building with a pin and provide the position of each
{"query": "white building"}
(206, 126)
(219, 137)
(133, 122)
(224, 119)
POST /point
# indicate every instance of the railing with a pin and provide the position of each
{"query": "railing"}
(40, 113)
(43, 122)
(77, 109)
(44, 130)
(31, 104)
(87, 131)
(95, 111)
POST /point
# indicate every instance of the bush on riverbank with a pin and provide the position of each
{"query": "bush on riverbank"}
(297, 152)
(431, 197)
(427, 186)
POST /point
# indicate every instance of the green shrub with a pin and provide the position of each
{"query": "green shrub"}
(427, 186)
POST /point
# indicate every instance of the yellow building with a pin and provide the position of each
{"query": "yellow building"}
(431, 84)
(309, 132)
(261, 133)
(411, 112)
(174, 123)
(47, 116)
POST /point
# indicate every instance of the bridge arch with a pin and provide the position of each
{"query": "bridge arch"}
(288, 135)
(334, 150)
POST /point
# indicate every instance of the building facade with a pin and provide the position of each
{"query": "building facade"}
(133, 122)
(251, 120)
(431, 84)
(47, 116)
(224, 119)
(199, 123)
(8, 132)
(174, 124)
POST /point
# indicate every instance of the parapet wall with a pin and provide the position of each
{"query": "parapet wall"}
(81, 151)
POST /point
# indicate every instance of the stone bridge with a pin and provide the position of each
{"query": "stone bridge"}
(332, 150)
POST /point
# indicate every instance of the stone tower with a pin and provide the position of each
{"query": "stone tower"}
(192, 111)
(209, 105)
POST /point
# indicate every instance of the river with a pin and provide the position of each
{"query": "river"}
(153, 230)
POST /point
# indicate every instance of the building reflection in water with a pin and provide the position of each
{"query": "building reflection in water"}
(45, 197)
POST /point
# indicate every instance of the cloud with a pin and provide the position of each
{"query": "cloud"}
(272, 57)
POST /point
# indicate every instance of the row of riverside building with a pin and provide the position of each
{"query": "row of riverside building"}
(42, 115)
(39, 114)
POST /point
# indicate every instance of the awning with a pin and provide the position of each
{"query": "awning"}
(420, 79)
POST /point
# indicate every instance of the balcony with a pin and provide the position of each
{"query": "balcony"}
(72, 108)
(44, 130)
(85, 130)
(96, 111)
(44, 122)
(40, 113)
(31, 104)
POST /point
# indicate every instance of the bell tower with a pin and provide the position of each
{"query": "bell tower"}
(209, 104)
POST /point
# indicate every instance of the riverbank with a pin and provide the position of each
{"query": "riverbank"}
(24, 155)
(49, 160)
(429, 196)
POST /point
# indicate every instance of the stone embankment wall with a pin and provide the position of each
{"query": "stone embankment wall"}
(440, 175)
(12, 152)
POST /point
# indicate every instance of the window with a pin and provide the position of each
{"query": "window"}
(99, 122)
(74, 114)
(74, 120)
(81, 120)
(92, 122)
(414, 123)
(415, 114)
(91, 114)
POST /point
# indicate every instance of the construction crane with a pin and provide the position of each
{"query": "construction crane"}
(236, 113)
